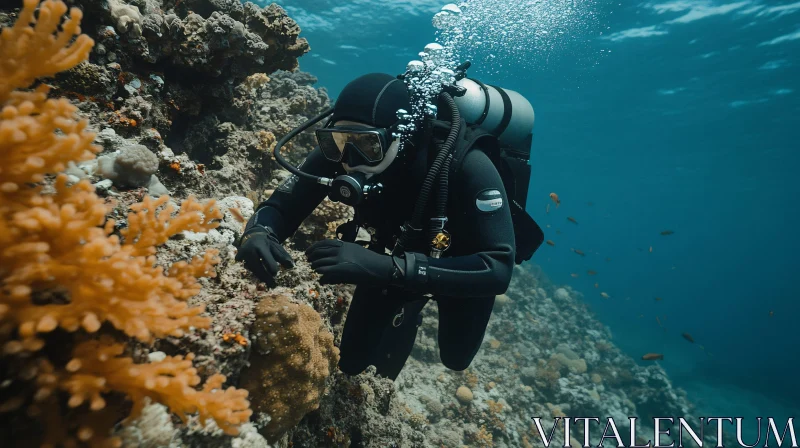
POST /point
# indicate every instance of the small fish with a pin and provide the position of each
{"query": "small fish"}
(659, 322)
(572, 220)
(574, 275)
(771, 313)
(596, 285)
(705, 351)
(608, 259)
(550, 243)
(688, 337)
(653, 357)
(667, 232)
(579, 252)
(591, 272)
(605, 296)
(558, 232)
(237, 215)
(590, 203)
(651, 249)
(555, 199)
(547, 210)
(548, 226)
(658, 299)
(641, 316)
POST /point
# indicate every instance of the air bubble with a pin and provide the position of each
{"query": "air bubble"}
(448, 17)
(433, 48)
(452, 9)
(415, 66)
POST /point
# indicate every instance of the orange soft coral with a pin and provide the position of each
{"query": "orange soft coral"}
(98, 368)
(237, 338)
(59, 247)
(29, 52)
(64, 274)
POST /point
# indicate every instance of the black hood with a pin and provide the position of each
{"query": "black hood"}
(372, 99)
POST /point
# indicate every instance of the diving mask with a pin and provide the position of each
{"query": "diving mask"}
(370, 143)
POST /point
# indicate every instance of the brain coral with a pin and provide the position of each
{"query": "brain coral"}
(293, 354)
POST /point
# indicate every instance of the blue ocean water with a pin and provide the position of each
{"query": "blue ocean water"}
(650, 116)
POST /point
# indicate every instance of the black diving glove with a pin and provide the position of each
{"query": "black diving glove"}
(261, 253)
(341, 262)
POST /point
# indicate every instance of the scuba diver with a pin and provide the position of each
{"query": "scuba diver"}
(403, 249)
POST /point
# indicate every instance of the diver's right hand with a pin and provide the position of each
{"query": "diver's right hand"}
(261, 252)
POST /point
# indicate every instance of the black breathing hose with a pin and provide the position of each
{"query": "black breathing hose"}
(441, 200)
(440, 216)
(284, 163)
(441, 157)
(445, 150)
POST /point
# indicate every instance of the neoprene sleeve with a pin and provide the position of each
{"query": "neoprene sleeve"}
(296, 198)
(483, 239)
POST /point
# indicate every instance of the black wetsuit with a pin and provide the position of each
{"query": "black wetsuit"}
(463, 282)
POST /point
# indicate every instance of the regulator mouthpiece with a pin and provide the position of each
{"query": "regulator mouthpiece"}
(352, 189)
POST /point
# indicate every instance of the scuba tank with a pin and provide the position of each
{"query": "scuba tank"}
(501, 112)
(509, 117)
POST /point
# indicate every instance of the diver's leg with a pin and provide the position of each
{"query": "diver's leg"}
(398, 339)
(462, 324)
(369, 314)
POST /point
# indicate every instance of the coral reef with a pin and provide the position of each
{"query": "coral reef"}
(66, 275)
(192, 87)
(529, 374)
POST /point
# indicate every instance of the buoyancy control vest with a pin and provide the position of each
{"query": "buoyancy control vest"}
(513, 166)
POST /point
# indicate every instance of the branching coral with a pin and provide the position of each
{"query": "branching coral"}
(27, 53)
(495, 415)
(482, 438)
(170, 382)
(64, 274)
(59, 249)
(548, 374)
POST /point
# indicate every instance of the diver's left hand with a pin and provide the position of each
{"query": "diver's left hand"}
(341, 262)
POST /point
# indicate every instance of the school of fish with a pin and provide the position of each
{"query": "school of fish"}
(554, 197)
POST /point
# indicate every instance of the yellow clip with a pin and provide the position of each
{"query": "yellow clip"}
(441, 241)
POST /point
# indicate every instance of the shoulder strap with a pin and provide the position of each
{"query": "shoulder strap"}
(469, 138)
(475, 137)
(528, 234)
